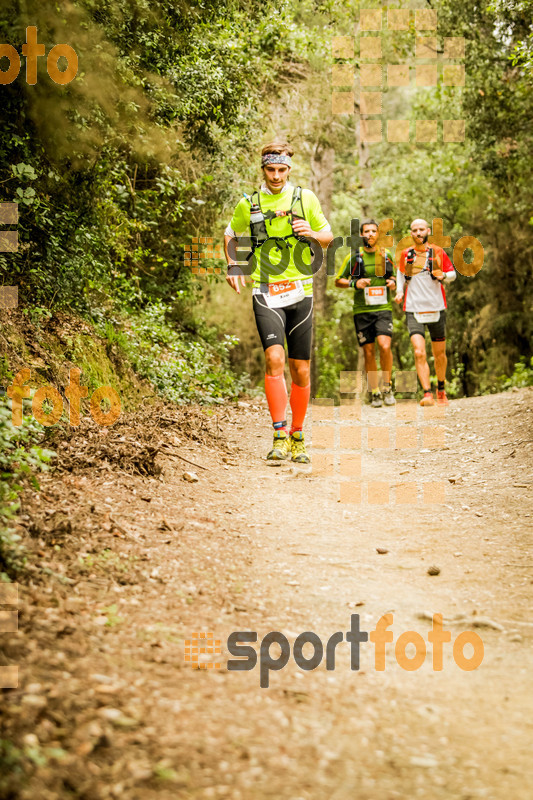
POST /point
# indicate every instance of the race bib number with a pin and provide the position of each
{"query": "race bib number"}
(375, 295)
(427, 316)
(284, 293)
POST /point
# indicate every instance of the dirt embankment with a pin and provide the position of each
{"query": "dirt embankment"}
(50, 346)
(128, 558)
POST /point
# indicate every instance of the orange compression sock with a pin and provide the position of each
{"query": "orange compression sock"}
(299, 402)
(276, 395)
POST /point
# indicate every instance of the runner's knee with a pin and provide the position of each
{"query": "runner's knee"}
(300, 373)
(369, 355)
(275, 361)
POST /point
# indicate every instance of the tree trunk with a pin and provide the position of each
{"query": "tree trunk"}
(322, 165)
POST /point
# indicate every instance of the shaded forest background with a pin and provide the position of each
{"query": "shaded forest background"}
(155, 140)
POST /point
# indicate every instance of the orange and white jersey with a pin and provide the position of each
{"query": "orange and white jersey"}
(422, 292)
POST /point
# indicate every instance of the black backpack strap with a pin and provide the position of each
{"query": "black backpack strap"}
(357, 268)
(410, 260)
(431, 262)
(297, 198)
(258, 230)
(389, 266)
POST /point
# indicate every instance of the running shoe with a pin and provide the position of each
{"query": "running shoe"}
(299, 452)
(388, 396)
(442, 400)
(375, 399)
(281, 448)
(427, 400)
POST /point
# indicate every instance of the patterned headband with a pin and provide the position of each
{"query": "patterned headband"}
(275, 158)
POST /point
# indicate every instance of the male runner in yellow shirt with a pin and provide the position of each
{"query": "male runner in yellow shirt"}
(276, 217)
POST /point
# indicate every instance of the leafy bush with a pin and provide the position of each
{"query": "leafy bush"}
(182, 366)
(522, 375)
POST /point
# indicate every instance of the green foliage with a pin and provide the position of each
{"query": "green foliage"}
(152, 143)
(116, 171)
(521, 377)
(183, 366)
(520, 13)
(124, 166)
(21, 456)
(482, 187)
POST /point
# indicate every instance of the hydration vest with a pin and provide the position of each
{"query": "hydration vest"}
(357, 269)
(258, 220)
(410, 260)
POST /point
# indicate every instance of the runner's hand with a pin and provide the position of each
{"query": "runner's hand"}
(302, 227)
(391, 283)
(438, 274)
(362, 283)
(233, 281)
(398, 299)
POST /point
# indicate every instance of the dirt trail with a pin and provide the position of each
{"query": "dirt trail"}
(107, 707)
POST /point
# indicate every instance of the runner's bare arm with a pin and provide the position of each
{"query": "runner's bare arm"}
(449, 273)
(342, 283)
(302, 227)
(400, 282)
(233, 280)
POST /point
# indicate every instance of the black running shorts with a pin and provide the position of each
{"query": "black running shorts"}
(294, 323)
(370, 324)
(437, 330)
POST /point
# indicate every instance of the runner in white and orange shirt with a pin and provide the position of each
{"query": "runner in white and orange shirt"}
(422, 271)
